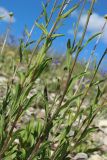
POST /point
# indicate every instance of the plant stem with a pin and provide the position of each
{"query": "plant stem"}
(78, 21)
(40, 16)
(72, 68)
(6, 36)
(47, 127)
(31, 31)
(76, 114)
(41, 37)
(49, 124)
(6, 142)
(57, 19)
(92, 53)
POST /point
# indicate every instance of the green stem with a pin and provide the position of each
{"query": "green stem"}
(6, 142)
(92, 53)
(41, 37)
(72, 68)
(76, 114)
(40, 16)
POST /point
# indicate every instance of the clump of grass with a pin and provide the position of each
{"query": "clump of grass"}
(66, 124)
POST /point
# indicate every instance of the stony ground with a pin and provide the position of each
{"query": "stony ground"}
(99, 137)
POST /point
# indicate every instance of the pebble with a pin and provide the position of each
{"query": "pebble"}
(103, 125)
(16, 141)
(3, 79)
(81, 156)
(96, 157)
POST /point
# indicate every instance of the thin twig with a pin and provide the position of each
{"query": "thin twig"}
(72, 68)
(41, 37)
(92, 53)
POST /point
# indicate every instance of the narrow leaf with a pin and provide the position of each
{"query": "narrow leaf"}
(57, 35)
(89, 40)
(69, 11)
(42, 27)
(45, 13)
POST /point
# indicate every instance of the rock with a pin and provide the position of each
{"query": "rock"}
(16, 141)
(41, 113)
(32, 110)
(32, 93)
(81, 156)
(71, 133)
(54, 80)
(37, 81)
(96, 157)
(103, 148)
(28, 113)
(85, 104)
(105, 140)
(51, 96)
(100, 138)
(3, 79)
(102, 124)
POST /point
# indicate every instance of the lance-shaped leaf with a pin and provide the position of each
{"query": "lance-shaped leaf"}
(26, 31)
(45, 13)
(65, 15)
(42, 27)
(57, 35)
(76, 77)
(89, 40)
(21, 47)
(65, 105)
(99, 93)
(29, 43)
(68, 55)
(98, 82)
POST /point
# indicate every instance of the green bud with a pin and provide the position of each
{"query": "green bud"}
(105, 16)
(11, 14)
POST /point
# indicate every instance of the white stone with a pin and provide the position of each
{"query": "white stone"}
(105, 140)
(54, 80)
(96, 157)
(102, 124)
(71, 133)
(3, 79)
(41, 113)
(28, 113)
(38, 80)
(16, 141)
(81, 156)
